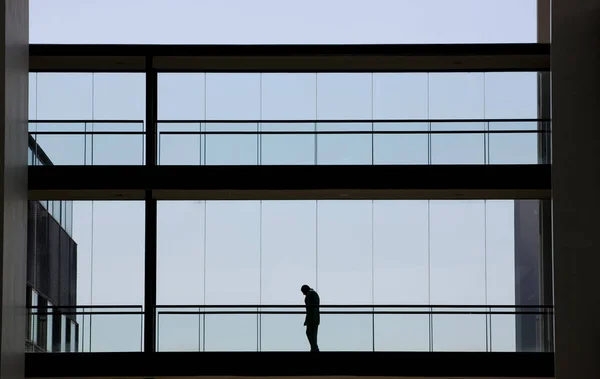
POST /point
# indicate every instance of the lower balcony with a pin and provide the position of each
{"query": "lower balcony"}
(367, 340)
(246, 364)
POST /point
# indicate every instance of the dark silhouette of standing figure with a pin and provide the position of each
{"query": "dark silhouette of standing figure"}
(313, 317)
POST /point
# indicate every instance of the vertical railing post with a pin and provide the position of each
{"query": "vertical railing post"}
(150, 214)
(373, 327)
(150, 275)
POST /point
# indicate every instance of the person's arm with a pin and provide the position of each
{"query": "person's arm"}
(311, 307)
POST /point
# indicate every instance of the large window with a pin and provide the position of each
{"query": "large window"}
(86, 284)
(288, 118)
(424, 254)
(87, 118)
(348, 118)
(229, 272)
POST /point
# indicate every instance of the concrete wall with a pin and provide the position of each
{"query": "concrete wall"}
(14, 16)
(576, 186)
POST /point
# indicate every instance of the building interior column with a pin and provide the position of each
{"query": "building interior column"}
(576, 186)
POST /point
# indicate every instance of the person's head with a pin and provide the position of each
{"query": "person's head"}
(305, 289)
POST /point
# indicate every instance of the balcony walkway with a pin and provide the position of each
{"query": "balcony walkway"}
(397, 364)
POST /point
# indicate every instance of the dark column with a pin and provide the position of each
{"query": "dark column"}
(576, 186)
(150, 232)
(13, 168)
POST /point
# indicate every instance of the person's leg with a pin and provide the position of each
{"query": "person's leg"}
(311, 334)
(308, 335)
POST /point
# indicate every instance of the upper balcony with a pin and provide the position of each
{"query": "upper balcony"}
(292, 142)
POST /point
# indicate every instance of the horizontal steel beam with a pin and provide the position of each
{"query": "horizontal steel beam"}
(292, 58)
(289, 182)
(277, 364)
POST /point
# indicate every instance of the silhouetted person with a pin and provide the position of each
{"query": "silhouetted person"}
(313, 317)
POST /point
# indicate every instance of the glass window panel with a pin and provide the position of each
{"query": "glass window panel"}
(180, 149)
(344, 96)
(231, 149)
(64, 96)
(49, 328)
(181, 96)
(400, 96)
(457, 242)
(456, 95)
(289, 96)
(288, 255)
(62, 149)
(344, 252)
(513, 148)
(287, 149)
(69, 223)
(500, 252)
(110, 238)
(115, 333)
(63, 334)
(511, 95)
(389, 149)
(32, 95)
(34, 317)
(402, 332)
(231, 332)
(116, 149)
(73, 327)
(59, 149)
(180, 255)
(528, 289)
(341, 149)
(401, 253)
(345, 332)
(460, 332)
(283, 332)
(119, 96)
(56, 210)
(463, 148)
(232, 253)
(180, 332)
(82, 235)
(233, 96)
(63, 213)
(502, 331)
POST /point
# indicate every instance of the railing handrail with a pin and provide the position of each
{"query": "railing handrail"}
(354, 313)
(354, 121)
(91, 313)
(452, 306)
(293, 121)
(137, 306)
(344, 132)
(299, 132)
(45, 121)
(88, 132)
(111, 306)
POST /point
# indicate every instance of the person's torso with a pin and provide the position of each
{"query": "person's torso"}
(312, 300)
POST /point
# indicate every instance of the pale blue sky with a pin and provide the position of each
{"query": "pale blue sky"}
(356, 252)
(282, 21)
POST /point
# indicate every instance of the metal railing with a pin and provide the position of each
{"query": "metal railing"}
(87, 142)
(462, 328)
(364, 142)
(293, 142)
(351, 328)
(96, 328)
